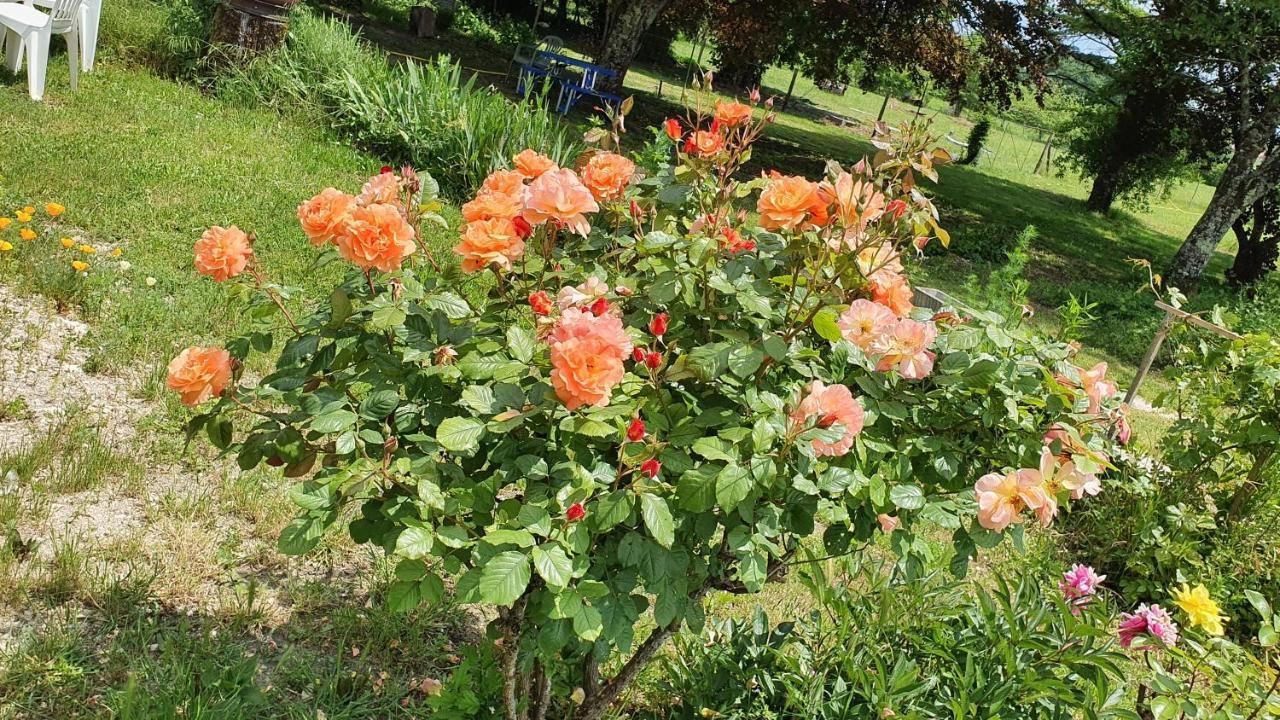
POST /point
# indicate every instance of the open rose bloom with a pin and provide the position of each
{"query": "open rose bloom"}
(639, 376)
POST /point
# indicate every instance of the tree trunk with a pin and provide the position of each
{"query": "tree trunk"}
(1259, 242)
(1103, 193)
(622, 40)
(1244, 181)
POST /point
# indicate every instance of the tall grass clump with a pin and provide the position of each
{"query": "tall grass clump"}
(424, 114)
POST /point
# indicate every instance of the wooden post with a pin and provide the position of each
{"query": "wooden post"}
(422, 21)
(1045, 155)
(883, 106)
(1170, 315)
(795, 72)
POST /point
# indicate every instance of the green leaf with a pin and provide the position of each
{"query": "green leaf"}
(733, 484)
(379, 404)
(1267, 636)
(696, 491)
(713, 448)
(479, 398)
(218, 428)
(341, 309)
(414, 542)
(657, 517)
(460, 434)
(504, 578)
(745, 359)
(1259, 603)
(776, 347)
(453, 306)
(825, 324)
(386, 317)
(611, 509)
(334, 421)
(508, 536)
(907, 497)
(300, 535)
(553, 565)
(521, 343)
(665, 288)
(587, 623)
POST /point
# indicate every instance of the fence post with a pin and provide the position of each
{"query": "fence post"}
(1150, 357)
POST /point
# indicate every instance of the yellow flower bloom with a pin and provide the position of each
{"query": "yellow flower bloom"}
(67, 242)
(117, 252)
(79, 265)
(1201, 609)
(5, 222)
(88, 249)
(27, 234)
(29, 210)
(5, 246)
(23, 216)
(54, 209)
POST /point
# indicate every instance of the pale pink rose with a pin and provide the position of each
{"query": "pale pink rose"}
(383, 188)
(1002, 498)
(1078, 585)
(559, 195)
(888, 523)
(831, 405)
(1095, 385)
(905, 348)
(584, 294)
(865, 323)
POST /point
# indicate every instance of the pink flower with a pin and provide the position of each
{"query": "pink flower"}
(1096, 386)
(1147, 620)
(1002, 498)
(865, 323)
(560, 196)
(582, 295)
(905, 348)
(888, 523)
(831, 405)
(381, 188)
(1078, 585)
(857, 203)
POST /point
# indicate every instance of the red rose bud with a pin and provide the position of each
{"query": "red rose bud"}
(575, 512)
(599, 307)
(523, 228)
(635, 431)
(540, 302)
(715, 126)
(658, 325)
(385, 169)
(672, 127)
(635, 210)
(896, 209)
(689, 145)
(637, 354)
(653, 360)
(754, 95)
(650, 468)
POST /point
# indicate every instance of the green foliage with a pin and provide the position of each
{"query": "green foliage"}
(977, 137)
(927, 648)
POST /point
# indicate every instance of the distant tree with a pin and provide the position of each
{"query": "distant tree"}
(977, 136)
(1258, 233)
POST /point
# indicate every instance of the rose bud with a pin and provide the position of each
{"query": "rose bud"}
(385, 169)
(896, 209)
(650, 468)
(540, 302)
(637, 354)
(754, 95)
(523, 228)
(658, 325)
(575, 512)
(635, 431)
(599, 307)
(653, 360)
(624, 291)
(672, 126)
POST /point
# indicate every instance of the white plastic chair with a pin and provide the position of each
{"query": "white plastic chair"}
(90, 16)
(27, 27)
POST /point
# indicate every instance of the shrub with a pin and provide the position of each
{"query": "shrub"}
(678, 419)
(977, 137)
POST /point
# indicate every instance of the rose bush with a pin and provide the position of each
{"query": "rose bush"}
(638, 391)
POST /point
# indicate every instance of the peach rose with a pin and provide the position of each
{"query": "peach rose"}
(704, 143)
(325, 216)
(607, 174)
(507, 182)
(489, 205)
(223, 253)
(891, 290)
(199, 373)
(1096, 386)
(1002, 498)
(791, 203)
(857, 202)
(587, 353)
(532, 165)
(378, 237)
(880, 263)
(383, 188)
(865, 323)
(560, 196)
(732, 114)
(905, 348)
(831, 405)
(489, 242)
(888, 523)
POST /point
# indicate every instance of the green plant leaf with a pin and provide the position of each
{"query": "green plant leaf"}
(379, 404)
(733, 484)
(553, 565)
(334, 421)
(907, 497)
(521, 343)
(824, 323)
(414, 542)
(460, 434)
(504, 578)
(657, 517)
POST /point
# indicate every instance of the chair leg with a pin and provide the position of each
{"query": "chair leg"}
(89, 17)
(37, 61)
(73, 55)
(12, 50)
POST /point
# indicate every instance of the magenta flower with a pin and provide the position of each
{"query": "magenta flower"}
(1147, 620)
(1078, 586)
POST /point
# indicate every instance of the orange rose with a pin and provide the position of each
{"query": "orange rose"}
(199, 373)
(857, 202)
(378, 237)
(493, 241)
(383, 188)
(560, 196)
(507, 182)
(531, 164)
(891, 290)
(791, 203)
(489, 205)
(607, 174)
(587, 353)
(325, 216)
(731, 114)
(223, 253)
(704, 142)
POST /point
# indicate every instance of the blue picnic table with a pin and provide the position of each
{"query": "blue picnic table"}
(554, 67)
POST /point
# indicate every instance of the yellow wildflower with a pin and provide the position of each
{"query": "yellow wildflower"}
(79, 265)
(5, 222)
(1201, 609)
(117, 252)
(67, 242)
(54, 209)
(27, 234)
(23, 216)
(29, 210)
(88, 249)
(5, 246)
